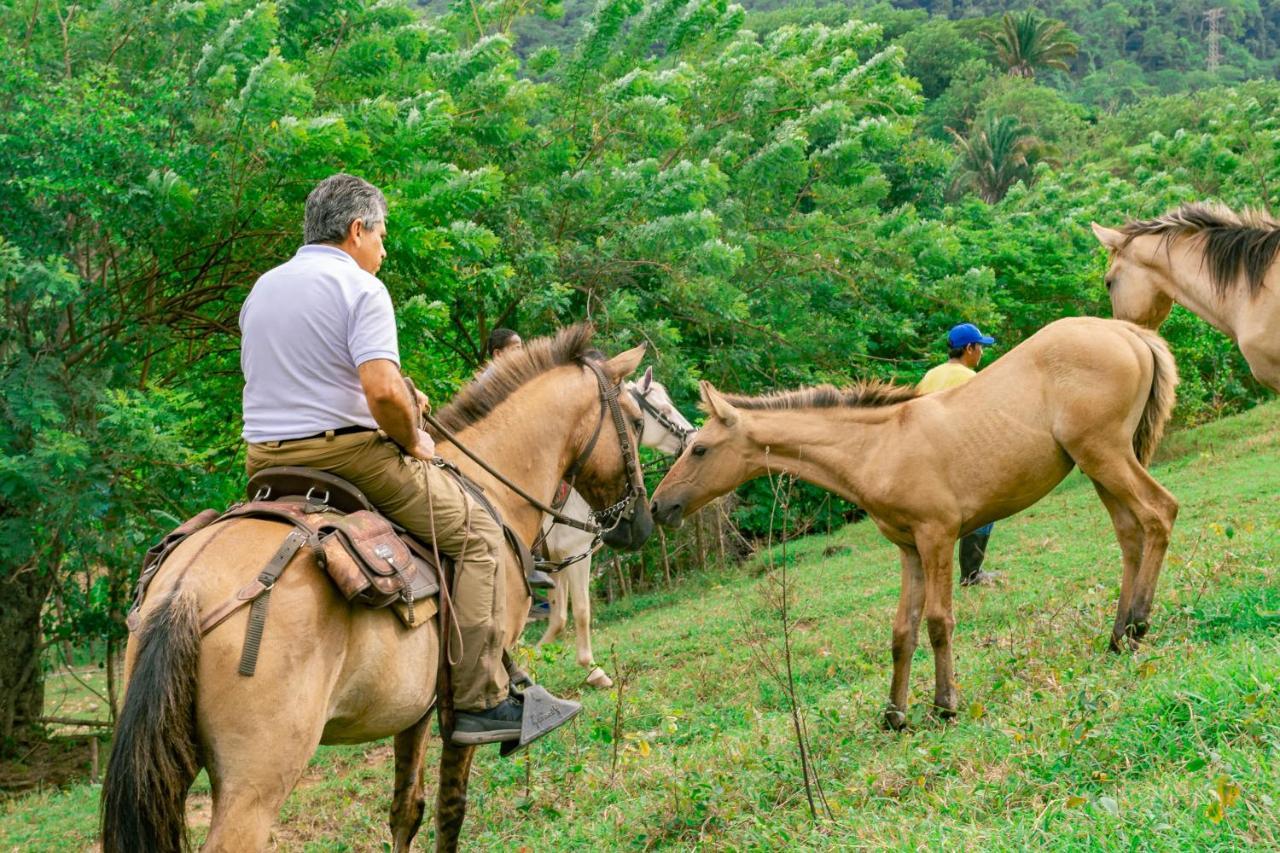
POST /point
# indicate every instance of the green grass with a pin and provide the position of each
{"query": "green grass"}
(1058, 745)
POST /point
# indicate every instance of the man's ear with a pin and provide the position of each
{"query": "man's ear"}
(624, 364)
(646, 381)
(1109, 237)
(717, 406)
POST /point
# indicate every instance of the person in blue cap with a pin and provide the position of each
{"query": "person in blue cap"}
(965, 344)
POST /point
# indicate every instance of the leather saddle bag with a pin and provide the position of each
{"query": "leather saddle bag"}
(370, 563)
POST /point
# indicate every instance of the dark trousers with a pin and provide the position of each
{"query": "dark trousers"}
(973, 550)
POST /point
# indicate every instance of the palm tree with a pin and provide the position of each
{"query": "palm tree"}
(994, 157)
(1027, 41)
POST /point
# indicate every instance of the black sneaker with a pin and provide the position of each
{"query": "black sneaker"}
(499, 723)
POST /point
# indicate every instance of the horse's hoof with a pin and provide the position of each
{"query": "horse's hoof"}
(945, 712)
(1126, 642)
(599, 680)
(895, 720)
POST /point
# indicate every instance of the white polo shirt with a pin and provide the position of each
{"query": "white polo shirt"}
(305, 328)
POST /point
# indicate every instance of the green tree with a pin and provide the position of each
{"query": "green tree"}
(1059, 123)
(958, 105)
(935, 52)
(993, 157)
(1026, 41)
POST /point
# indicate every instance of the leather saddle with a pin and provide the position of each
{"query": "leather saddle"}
(369, 558)
(309, 484)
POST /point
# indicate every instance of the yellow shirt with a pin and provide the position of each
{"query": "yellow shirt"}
(945, 376)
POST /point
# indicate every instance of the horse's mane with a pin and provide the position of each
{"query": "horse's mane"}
(868, 394)
(512, 370)
(1233, 243)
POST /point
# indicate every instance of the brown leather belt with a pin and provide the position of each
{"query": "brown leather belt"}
(346, 430)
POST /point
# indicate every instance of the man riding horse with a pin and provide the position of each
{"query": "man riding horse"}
(323, 389)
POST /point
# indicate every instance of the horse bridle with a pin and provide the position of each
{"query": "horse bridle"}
(665, 421)
(624, 509)
(607, 519)
(683, 434)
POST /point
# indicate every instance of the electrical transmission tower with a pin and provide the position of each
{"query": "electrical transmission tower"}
(1213, 17)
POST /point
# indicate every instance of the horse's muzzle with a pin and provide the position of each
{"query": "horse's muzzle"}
(632, 531)
(668, 513)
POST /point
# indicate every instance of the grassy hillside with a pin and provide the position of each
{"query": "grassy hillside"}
(1058, 743)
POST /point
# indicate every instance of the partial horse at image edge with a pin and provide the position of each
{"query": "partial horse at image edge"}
(1215, 262)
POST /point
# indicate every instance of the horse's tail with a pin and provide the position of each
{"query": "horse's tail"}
(154, 758)
(1160, 399)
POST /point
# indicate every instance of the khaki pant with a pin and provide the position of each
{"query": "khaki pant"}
(398, 484)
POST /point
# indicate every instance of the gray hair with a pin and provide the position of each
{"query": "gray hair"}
(335, 203)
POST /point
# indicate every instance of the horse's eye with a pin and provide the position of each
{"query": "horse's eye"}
(638, 424)
(699, 450)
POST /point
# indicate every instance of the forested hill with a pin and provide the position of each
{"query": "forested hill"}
(1127, 50)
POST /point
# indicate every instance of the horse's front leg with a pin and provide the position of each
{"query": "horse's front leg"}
(578, 579)
(936, 551)
(906, 627)
(558, 613)
(409, 802)
(451, 797)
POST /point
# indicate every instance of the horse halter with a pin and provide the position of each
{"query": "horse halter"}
(663, 419)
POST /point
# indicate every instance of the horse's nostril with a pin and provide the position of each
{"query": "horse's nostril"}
(664, 511)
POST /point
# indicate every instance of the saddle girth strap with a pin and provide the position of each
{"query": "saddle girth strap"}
(265, 581)
(253, 634)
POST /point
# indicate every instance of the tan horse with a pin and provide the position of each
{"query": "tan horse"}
(330, 672)
(1213, 262)
(1085, 391)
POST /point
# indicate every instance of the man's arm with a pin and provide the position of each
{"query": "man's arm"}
(392, 408)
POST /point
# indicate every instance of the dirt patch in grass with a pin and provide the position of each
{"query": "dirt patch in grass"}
(48, 763)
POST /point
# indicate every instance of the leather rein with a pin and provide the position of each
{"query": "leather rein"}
(618, 512)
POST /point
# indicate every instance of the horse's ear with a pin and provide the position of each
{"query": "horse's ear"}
(624, 364)
(717, 406)
(1109, 237)
(646, 381)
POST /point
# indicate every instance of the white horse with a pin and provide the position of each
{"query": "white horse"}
(665, 430)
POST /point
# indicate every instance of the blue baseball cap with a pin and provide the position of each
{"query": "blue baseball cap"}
(965, 334)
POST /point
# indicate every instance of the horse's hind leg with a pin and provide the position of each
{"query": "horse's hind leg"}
(408, 804)
(1154, 510)
(906, 630)
(451, 796)
(251, 775)
(1129, 534)
(260, 732)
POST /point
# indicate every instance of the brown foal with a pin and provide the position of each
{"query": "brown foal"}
(1082, 391)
